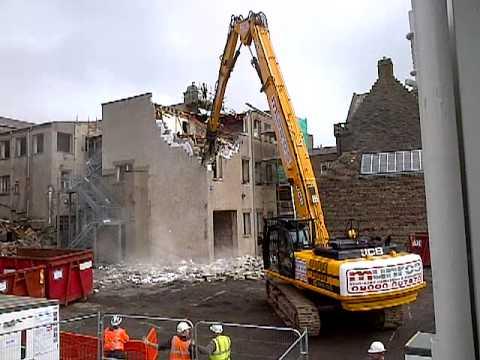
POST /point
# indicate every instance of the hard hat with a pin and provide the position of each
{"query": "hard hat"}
(216, 328)
(116, 320)
(376, 348)
(183, 326)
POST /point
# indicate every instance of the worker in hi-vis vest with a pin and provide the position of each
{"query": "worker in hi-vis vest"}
(180, 345)
(219, 347)
(114, 339)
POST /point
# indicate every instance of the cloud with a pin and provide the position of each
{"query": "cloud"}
(62, 59)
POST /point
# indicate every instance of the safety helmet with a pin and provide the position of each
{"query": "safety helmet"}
(216, 328)
(183, 326)
(376, 348)
(116, 320)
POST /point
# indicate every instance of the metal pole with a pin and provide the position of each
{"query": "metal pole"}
(100, 335)
(77, 215)
(57, 220)
(69, 218)
(443, 183)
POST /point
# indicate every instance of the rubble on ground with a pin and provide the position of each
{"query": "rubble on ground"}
(148, 275)
(23, 236)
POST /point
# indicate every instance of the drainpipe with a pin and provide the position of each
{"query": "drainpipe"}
(29, 183)
(50, 203)
(12, 155)
(254, 182)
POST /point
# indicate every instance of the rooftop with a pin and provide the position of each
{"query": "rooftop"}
(14, 124)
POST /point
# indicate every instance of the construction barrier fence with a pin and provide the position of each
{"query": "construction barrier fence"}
(298, 350)
(251, 342)
(81, 338)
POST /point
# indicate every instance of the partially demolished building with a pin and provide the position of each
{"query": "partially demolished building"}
(176, 206)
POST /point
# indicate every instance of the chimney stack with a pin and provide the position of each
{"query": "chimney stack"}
(385, 68)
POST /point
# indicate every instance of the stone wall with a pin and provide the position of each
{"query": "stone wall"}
(385, 205)
(387, 119)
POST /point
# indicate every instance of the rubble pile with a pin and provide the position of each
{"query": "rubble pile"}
(23, 236)
(173, 133)
(227, 149)
(147, 275)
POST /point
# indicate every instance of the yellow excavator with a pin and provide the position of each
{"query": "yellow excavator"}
(305, 270)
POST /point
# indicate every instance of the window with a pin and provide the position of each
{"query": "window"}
(416, 160)
(268, 173)
(247, 226)
(218, 168)
(256, 128)
(5, 149)
(64, 142)
(21, 146)
(16, 187)
(383, 162)
(392, 162)
(259, 223)
(267, 127)
(245, 125)
(38, 143)
(65, 176)
(324, 166)
(407, 161)
(121, 169)
(5, 184)
(258, 173)
(245, 171)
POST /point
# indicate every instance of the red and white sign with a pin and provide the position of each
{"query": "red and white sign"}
(380, 275)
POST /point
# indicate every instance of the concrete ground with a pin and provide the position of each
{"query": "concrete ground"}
(343, 336)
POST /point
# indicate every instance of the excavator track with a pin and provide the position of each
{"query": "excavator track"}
(393, 317)
(388, 319)
(293, 307)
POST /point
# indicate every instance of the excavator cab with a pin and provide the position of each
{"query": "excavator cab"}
(282, 238)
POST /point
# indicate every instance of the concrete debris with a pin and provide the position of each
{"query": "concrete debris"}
(22, 235)
(148, 275)
(173, 140)
(227, 149)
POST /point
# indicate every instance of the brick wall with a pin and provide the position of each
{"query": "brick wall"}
(384, 205)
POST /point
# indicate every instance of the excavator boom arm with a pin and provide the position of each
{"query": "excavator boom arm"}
(292, 149)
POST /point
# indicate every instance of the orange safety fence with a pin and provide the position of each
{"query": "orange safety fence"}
(85, 347)
(78, 347)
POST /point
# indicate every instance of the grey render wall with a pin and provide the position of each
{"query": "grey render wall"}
(176, 208)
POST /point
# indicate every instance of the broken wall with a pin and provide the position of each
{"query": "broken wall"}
(175, 209)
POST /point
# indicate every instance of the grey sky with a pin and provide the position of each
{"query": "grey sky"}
(60, 59)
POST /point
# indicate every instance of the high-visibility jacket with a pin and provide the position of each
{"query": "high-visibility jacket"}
(222, 348)
(180, 349)
(115, 339)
